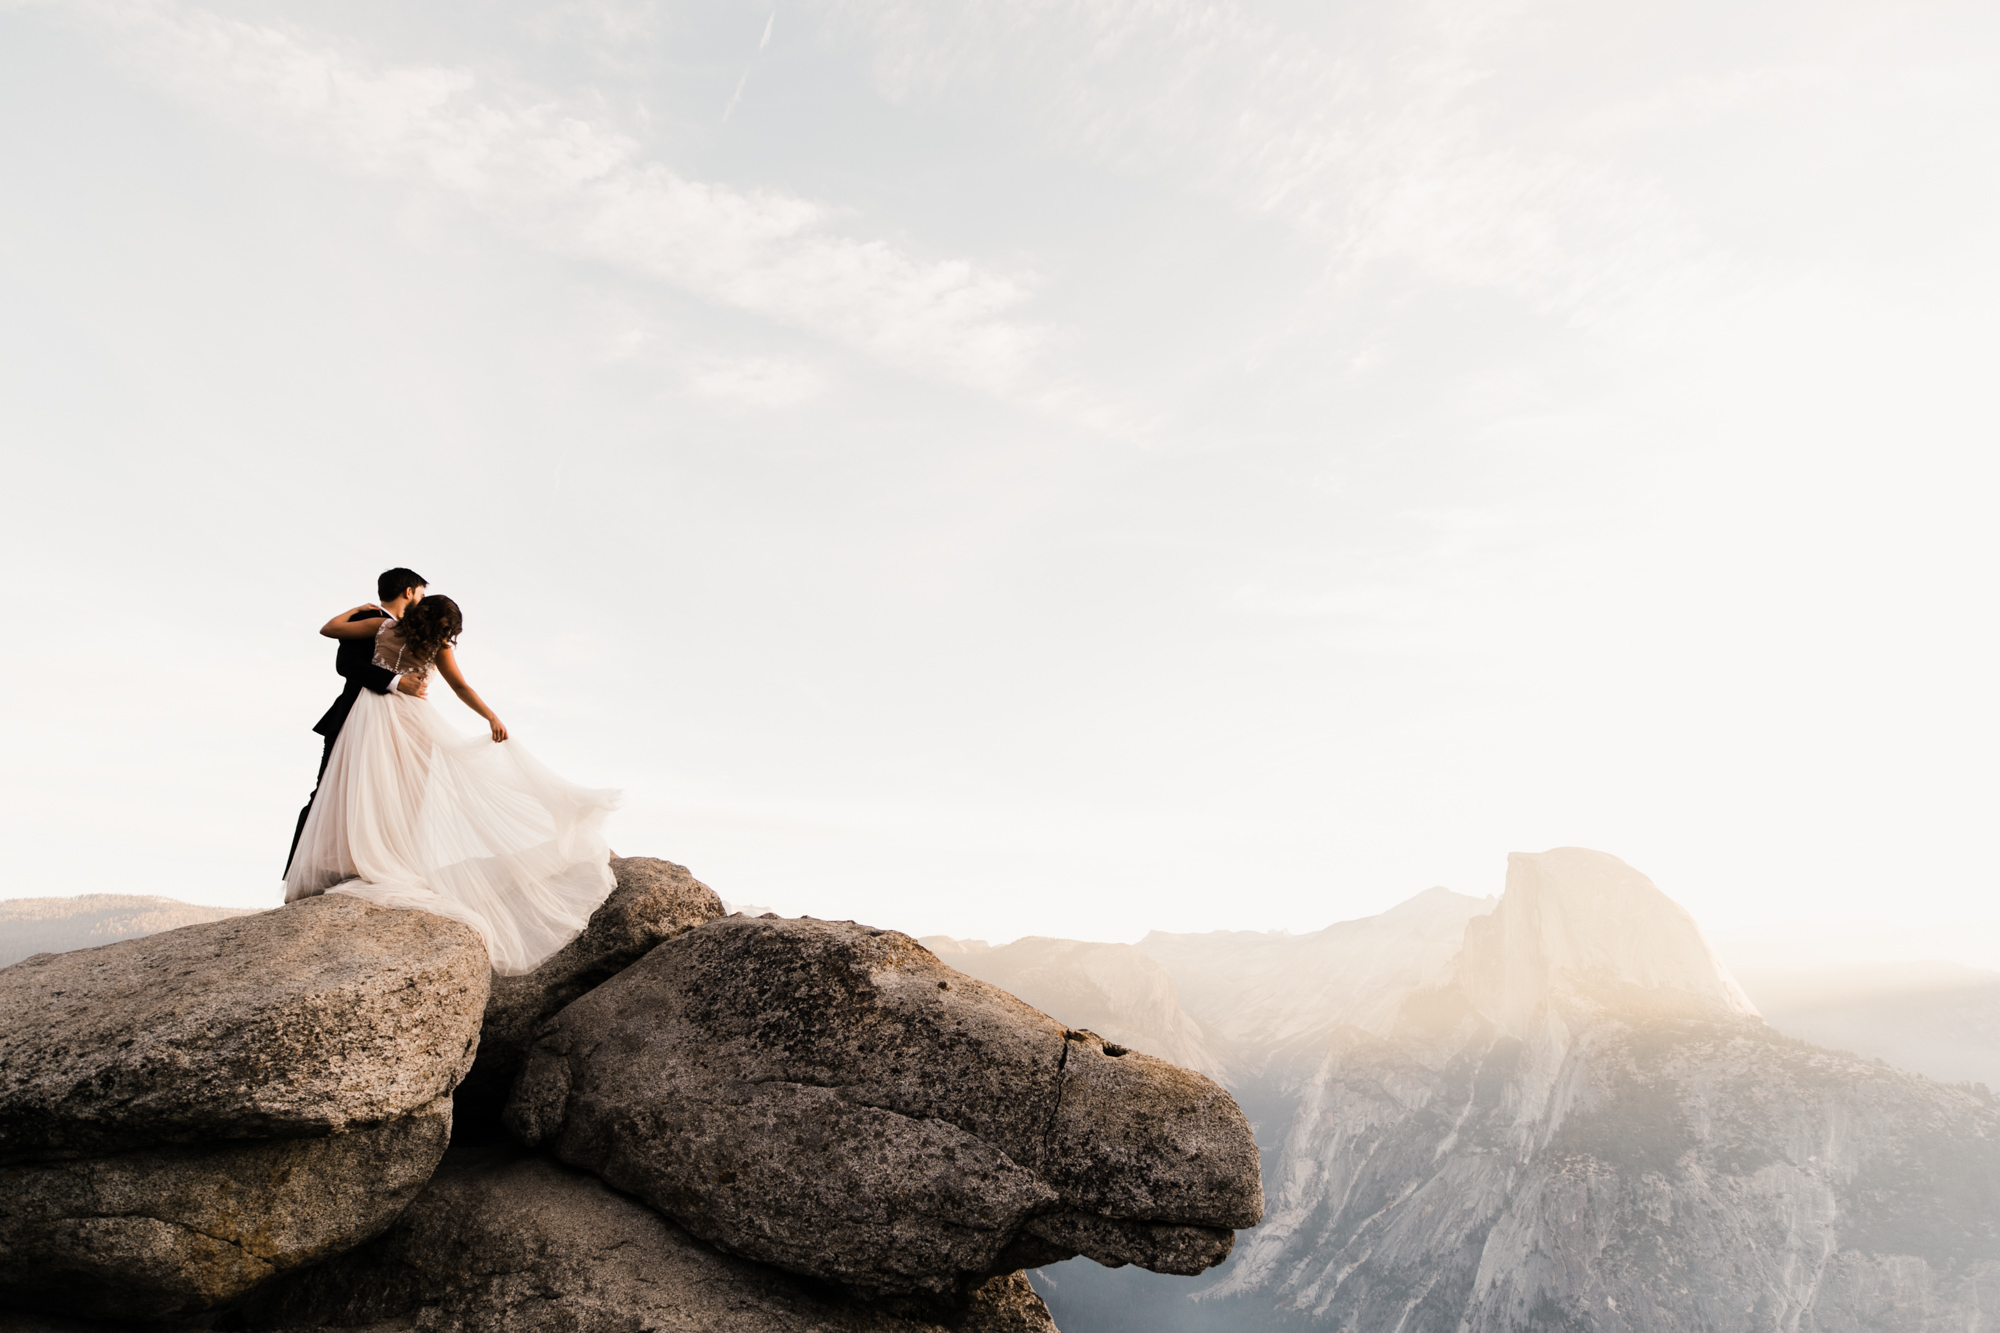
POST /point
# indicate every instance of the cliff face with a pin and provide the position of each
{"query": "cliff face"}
(1579, 1122)
(1656, 1173)
(1576, 926)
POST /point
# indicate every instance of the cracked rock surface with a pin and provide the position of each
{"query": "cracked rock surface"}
(832, 1099)
(188, 1115)
(502, 1243)
(654, 901)
(155, 1232)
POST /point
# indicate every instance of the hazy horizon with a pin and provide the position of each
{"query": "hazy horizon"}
(1024, 469)
(1772, 952)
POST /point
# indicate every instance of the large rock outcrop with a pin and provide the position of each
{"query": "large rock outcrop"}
(172, 1230)
(654, 901)
(502, 1243)
(239, 1125)
(1581, 928)
(832, 1099)
(323, 1015)
(188, 1115)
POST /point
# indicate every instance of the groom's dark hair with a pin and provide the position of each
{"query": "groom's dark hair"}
(395, 582)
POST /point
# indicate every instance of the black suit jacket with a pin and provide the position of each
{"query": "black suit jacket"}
(355, 661)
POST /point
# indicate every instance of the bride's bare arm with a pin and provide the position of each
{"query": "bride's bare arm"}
(340, 627)
(447, 665)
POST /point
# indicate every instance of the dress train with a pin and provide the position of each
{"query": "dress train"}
(414, 814)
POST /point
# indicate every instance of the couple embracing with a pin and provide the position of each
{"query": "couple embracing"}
(410, 812)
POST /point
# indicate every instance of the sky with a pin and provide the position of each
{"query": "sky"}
(1057, 466)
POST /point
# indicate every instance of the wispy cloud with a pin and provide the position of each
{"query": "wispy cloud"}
(571, 182)
(1377, 132)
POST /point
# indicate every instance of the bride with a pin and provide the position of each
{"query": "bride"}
(412, 813)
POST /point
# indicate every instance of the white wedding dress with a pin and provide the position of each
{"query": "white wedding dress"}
(412, 813)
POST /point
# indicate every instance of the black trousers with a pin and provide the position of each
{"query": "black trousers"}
(298, 830)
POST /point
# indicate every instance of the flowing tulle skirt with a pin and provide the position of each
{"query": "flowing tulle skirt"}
(414, 814)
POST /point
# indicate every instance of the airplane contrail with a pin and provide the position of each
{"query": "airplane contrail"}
(762, 42)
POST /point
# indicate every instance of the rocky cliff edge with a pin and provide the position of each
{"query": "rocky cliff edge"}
(294, 1120)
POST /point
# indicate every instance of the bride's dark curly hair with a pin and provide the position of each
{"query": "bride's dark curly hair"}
(430, 627)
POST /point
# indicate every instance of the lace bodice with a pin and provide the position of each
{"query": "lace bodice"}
(391, 654)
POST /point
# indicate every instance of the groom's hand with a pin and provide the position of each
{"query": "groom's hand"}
(412, 684)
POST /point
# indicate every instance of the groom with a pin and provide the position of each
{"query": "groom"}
(400, 589)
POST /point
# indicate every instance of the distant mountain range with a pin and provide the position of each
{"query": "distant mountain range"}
(1552, 1110)
(29, 926)
(1938, 1019)
(1556, 1110)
